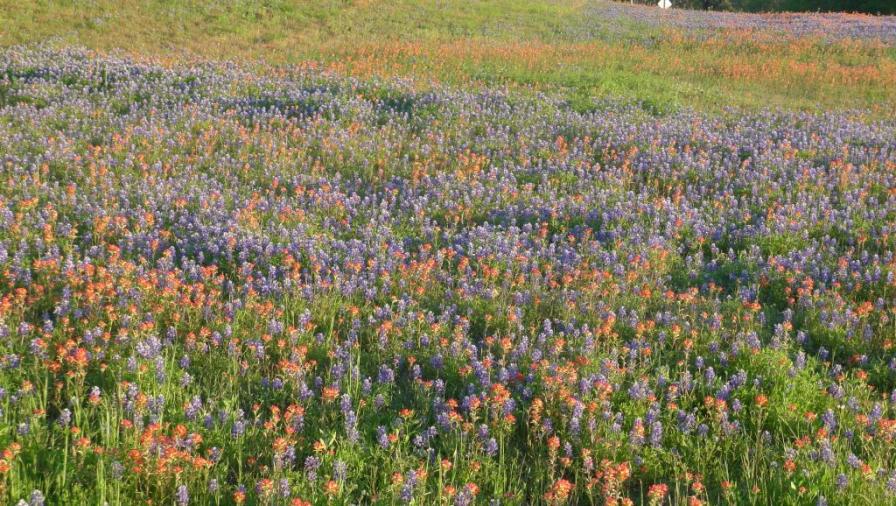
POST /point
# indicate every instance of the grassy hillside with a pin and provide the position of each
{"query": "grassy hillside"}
(580, 48)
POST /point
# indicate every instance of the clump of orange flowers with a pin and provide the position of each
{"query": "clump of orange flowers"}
(559, 492)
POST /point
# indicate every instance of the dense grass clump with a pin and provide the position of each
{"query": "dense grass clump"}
(277, 285)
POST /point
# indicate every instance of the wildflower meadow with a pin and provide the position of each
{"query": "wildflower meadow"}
(228, 283)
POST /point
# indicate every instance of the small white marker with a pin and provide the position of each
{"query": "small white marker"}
(664, 4)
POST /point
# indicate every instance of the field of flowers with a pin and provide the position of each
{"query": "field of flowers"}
(705, 61)
(225, 284)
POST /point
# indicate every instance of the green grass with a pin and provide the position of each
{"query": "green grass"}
(558, 46)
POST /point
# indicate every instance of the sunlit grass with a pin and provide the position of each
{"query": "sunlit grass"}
(542, 45)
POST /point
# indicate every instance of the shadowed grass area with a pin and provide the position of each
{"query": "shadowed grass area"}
(573, 47)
